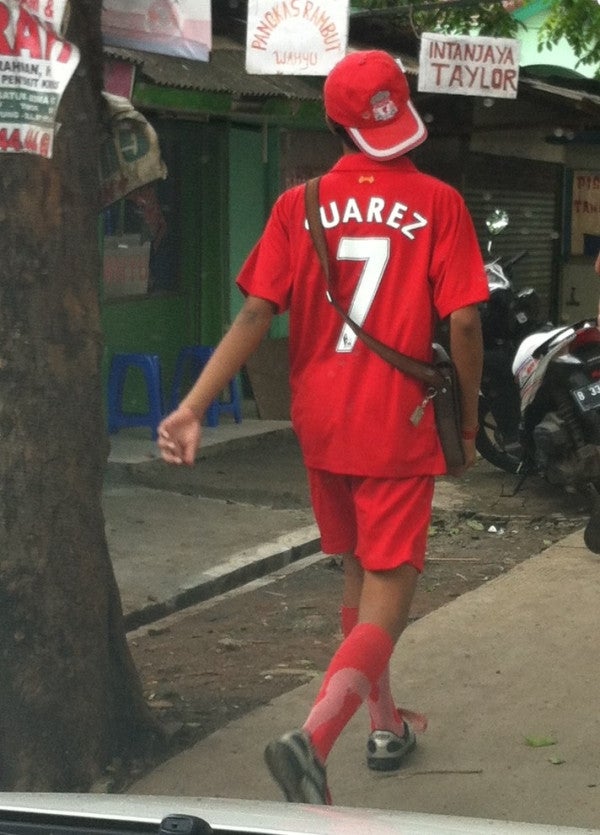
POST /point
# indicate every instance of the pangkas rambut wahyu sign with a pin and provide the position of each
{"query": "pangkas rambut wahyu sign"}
(295, 37)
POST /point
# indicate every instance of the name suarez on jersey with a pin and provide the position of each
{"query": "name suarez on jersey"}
(395, 215)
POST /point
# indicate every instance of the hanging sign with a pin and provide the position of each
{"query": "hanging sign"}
(36, 64)
(295, 37)
(585, 213)
(119, 77)
(130, 156)
(170, 27)
(469, 66)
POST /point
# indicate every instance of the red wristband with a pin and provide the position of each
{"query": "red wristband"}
(469, 434)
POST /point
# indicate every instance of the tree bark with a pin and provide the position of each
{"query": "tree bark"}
(70, 698)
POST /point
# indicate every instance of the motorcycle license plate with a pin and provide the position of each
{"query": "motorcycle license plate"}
(587, 397)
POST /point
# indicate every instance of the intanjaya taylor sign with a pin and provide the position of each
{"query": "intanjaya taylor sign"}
(469, 66)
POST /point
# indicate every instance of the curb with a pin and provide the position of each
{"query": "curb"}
(141, 454)
(237, 571)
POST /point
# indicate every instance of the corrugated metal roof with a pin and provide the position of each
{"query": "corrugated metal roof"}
(571, 92)
(224, 73)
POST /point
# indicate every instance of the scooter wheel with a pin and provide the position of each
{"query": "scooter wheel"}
(490, 445)
(591, 534)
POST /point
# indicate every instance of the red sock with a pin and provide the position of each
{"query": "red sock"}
(353, 671)
(385, 716)
(383, 713)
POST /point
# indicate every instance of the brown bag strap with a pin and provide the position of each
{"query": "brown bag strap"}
(423, 371)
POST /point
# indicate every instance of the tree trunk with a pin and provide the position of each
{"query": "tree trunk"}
(70, 699)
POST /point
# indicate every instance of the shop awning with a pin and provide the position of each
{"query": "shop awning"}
(224, 73)
(581, 94)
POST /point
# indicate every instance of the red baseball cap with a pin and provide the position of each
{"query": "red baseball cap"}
(367, 94)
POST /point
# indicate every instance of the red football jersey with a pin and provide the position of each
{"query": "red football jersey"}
(404, 254)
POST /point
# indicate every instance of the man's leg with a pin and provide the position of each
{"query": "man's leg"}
(386, 598)
(383, 713)
(363, 656)
(385, 521)
(297, 760)
(353, 582)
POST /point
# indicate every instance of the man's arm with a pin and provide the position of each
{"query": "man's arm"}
(466, 349)
(179, 433)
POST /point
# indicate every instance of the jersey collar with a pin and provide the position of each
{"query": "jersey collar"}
(360, 162)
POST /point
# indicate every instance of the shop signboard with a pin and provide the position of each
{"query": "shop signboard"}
(585, 213)
(295, 37)
(469, 66)
(171, 27)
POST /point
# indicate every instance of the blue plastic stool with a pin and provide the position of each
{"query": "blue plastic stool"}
(191, 360)
(149, 365)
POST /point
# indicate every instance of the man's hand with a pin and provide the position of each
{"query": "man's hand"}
(470, 456)
(180, 433)
(179, 436)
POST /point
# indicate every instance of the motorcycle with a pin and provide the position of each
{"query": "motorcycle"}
(539, 407)
(506, 319)
(558, 374)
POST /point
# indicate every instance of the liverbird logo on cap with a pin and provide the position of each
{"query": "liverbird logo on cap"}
(382, 106)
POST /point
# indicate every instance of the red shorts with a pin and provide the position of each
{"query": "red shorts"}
(382, 521)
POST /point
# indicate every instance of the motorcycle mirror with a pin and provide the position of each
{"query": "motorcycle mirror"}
(497, 221)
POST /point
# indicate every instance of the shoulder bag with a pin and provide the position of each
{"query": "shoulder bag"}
(439, 376)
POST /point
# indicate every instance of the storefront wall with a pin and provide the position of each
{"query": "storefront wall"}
(223, 177)
(152, 305)
(250, 148)
(264, 161)
(556, 164)
(529, 192)
(228, 170)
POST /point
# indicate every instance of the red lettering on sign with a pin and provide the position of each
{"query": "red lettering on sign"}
(5, 48)
(31, 37)
(27, 38)
(10, 142)
(45, 145)
(31, 143)
(65, 48)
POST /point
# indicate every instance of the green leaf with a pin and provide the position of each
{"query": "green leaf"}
(556, 760)
(539, 741)
(575, 21)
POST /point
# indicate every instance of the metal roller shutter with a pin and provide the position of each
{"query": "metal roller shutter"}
(534, 227)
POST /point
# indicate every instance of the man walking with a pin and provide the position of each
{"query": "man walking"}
(405, 256)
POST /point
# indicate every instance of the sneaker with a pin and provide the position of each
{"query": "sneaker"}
(295, 768)
(386, 750)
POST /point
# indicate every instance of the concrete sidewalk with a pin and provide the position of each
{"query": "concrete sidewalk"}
(178, 536)
(515, 659)
(171, 548)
